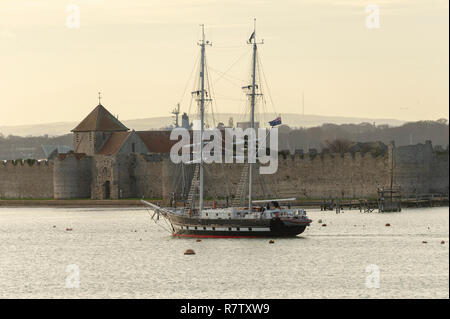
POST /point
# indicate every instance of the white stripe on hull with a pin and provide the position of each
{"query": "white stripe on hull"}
(230, 229)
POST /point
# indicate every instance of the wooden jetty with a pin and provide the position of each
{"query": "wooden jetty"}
(384, 203)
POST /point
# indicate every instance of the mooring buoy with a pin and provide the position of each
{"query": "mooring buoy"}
(424, 242)
(442, 242)
(324, 225)
(271, 241)
(388, 225)
(189, 252)
(198, 240)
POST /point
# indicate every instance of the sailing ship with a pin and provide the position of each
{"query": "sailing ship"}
(260, 218)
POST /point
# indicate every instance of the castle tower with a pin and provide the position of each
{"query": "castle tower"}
(92, 133)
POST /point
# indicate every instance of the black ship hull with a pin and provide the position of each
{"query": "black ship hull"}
(233, 228)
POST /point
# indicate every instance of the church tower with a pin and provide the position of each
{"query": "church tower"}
(92, 133)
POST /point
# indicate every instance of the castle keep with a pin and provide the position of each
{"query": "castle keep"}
(111, 161)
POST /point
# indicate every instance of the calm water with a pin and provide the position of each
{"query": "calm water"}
(120, 253)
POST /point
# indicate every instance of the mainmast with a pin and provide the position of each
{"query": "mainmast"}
(202, 44)
(252, 41)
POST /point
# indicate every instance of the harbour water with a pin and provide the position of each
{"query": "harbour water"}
(121, 253)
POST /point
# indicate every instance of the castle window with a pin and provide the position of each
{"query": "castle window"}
(133, 148)
(90, 136)
(77, 137)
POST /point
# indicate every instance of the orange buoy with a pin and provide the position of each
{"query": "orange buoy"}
(189, 252)
(271, 241)
(198, 240)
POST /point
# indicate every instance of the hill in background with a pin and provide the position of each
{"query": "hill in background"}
(156, 123)
(318, 137)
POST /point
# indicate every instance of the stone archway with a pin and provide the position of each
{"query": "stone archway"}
(107, 190)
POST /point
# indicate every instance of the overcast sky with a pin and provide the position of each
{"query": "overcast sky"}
(140, 54)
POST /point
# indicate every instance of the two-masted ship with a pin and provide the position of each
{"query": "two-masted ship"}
(260, 218)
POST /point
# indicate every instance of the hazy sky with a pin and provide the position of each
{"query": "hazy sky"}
(140, 53)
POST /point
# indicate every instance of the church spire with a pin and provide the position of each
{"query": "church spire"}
(99, 98)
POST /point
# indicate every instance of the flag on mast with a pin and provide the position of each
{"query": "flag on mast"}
(275, 122)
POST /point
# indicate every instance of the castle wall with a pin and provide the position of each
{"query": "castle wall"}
(125, 166)
(151, 175)
(439, 172)
(26, 179)
(302, 176)
(413, 168)
(72, 176)
(417, 169)
(308, 176)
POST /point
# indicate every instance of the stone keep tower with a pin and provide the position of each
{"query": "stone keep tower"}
(92, 133)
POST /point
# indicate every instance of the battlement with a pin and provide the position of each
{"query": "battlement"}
(18, 163)
(26, 179)
(328, 156)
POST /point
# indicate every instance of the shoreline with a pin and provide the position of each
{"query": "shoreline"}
(70, 203)
(306, 204)
(74, 203)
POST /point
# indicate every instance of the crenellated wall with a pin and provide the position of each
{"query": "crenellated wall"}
(26, 179)
(417, 169)
(72, 176)
(150, 174)
(301, 176)
(421, 169)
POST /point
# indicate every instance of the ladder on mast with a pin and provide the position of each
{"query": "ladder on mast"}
(194, 186)
(239, 199)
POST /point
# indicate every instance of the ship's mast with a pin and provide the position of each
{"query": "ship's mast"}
(252, 113)
(203, 43)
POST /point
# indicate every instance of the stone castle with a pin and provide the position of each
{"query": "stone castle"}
(111, 161)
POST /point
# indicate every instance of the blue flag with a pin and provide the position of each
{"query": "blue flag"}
(275, 122)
